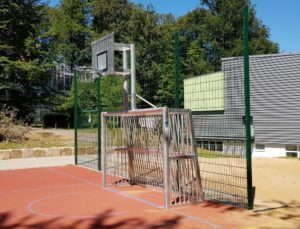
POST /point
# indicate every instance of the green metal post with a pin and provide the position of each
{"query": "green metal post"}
(247, 106)
(75, 114)
(99, 122)
(176, 69)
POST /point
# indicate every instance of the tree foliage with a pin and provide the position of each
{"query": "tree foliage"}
(34, 35)
(23, 54)
(70, 32)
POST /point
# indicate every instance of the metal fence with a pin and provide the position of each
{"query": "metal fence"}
(93, 95)
(87, 117)
(220, 103)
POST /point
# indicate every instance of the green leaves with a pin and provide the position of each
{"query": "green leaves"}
(23, 65)
(70, 31)
(33, 36)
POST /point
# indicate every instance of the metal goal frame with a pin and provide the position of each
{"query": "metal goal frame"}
(152, 147)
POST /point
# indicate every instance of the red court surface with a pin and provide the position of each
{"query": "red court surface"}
(72, 197)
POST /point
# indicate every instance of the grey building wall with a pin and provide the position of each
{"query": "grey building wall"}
(227, 125)
(275, 100)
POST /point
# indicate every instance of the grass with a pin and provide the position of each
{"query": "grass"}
(40, 139)
(31, 144)
(204, 153)
(209, 153)
(290, 157)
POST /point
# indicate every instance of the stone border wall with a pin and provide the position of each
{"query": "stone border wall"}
(44, 152)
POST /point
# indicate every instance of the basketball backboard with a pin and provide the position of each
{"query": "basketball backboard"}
(104, 58)
(103, 54)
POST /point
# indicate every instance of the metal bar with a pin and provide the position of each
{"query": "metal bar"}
(166, 162)
(137, 112)
(89, 111)
(103, 149)
(121, 46)
(176, 68)
(133, 77)
(146, 101)
(247, 105)
(99, 120)
(129, 129)
(125, 83)
(76, 115)
(194, 149)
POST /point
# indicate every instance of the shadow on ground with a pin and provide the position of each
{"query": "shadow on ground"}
(286, 211)
(102, 220)
(219, 207)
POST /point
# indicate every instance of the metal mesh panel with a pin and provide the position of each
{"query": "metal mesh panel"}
(152, 148)
(220, 132)
(185, 181)
(221, 113)
(87, 127)
(93, 95)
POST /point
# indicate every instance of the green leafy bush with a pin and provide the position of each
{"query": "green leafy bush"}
(12, 129)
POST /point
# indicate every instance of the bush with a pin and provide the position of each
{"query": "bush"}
(56, 120)
(11, 128)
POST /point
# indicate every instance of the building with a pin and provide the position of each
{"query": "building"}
(217, 102)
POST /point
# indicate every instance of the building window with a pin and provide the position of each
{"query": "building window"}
(219, 146)
(210, 145)
(291, 150)
(260, 147)
(205, 145)
(199, 144)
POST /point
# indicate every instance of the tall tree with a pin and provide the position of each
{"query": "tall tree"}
(70, 32)
(227, 31)
(216, 27)
(23, 68)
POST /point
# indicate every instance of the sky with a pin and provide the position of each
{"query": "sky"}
(281, 16)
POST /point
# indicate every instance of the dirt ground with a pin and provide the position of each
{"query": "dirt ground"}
(277, 183)
(56, 137)
(43, 138)
(66, 134)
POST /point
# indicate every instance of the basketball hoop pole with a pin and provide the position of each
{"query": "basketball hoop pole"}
(133, 77)
(125, 83)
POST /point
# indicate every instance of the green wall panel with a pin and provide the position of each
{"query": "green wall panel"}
(205, 92)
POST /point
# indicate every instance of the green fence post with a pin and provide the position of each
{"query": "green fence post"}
(247, 106)
(99, 121)
(176, 68)
(75, 114)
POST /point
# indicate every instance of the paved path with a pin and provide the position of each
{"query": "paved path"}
(35, 162)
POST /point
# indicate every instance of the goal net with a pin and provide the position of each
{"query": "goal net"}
(152, 147)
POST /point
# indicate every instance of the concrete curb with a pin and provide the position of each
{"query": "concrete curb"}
(44, 152)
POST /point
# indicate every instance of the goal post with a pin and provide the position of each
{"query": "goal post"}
(152, 147)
